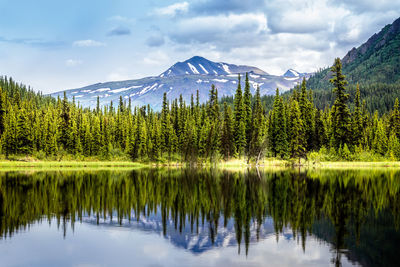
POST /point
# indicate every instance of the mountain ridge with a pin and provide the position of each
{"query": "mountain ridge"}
(375, 61)
(183, 78)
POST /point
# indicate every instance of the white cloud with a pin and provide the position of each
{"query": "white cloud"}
(88, 43)
(157, 58)
(224, 31)
(73, 62)
(173, 9)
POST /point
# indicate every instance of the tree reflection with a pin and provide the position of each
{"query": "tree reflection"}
(336, 206)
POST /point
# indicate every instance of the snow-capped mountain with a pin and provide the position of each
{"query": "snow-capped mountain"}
(200, 65)
(183, 78)
(291, 73)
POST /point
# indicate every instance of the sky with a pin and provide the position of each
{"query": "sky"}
(57, 45)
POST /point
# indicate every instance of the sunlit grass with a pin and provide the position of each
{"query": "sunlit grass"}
(68, 164)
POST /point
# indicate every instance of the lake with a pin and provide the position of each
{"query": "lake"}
(200, 217)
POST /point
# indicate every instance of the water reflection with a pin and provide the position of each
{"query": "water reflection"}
(355, 212)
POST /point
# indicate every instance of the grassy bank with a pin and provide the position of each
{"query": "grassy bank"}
(235, 164)
(89, 164)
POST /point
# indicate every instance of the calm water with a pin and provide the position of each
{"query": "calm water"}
(162, 217)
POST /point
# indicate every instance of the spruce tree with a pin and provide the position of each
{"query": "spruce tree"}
(247, 112)
(65, 122)
(24, 138)
(257, 142)
(10, 134)
(278, 130)
(297, 131)
(395, 119)
(239, 123)
(165, 123)
(227, 141)
(340, 110)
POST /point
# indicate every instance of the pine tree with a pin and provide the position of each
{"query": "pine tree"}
(395, 119)
(65, 122)
(340, 110)
(165, 124)
(227, 141)
(257, 142)
(10, 134)
(247, 112)
(297, 130)
(24, 138)
(239, 121)
(278, 130)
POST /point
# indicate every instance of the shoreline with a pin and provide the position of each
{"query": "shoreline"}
(233, 164)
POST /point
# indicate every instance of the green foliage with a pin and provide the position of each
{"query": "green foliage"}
(293, 128)
(340, 110)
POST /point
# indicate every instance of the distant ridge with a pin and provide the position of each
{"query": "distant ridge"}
(183, 78)
(375, 61)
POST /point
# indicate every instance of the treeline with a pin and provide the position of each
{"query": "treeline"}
(31, 124)
(379, 95)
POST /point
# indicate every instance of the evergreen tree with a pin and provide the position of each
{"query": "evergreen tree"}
(247, 112)
(24, 139)
(395, 119)
(258, 141)
(10, 134)
(227, 140)
(297, 130)
(278, 130)
(340, 110)
(65, 122)
(239, 121)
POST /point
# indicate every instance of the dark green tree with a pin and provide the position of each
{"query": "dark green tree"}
(340, 110)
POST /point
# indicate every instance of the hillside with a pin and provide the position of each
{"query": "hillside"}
(375, 65)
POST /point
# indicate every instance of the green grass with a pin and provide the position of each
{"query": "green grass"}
(69, 164)
(234, 165)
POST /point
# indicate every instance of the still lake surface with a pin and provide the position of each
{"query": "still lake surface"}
(191, 217)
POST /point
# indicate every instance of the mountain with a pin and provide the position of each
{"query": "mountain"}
(291, 73)
(200, 65)
(196, 73)
(375, 61)
(375, 66)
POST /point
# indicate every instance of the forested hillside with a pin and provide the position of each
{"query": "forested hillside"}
(375, 66)
(31, 124)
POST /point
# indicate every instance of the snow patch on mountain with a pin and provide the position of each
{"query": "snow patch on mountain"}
(226, 68)
(220, 80)
(193, 68)
(205, 71)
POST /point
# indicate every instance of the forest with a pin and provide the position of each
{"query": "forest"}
(292, 127)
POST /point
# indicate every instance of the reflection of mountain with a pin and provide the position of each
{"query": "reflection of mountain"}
(332, 205)
(197, 238)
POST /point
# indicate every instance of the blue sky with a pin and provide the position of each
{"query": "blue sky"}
(56, 45)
